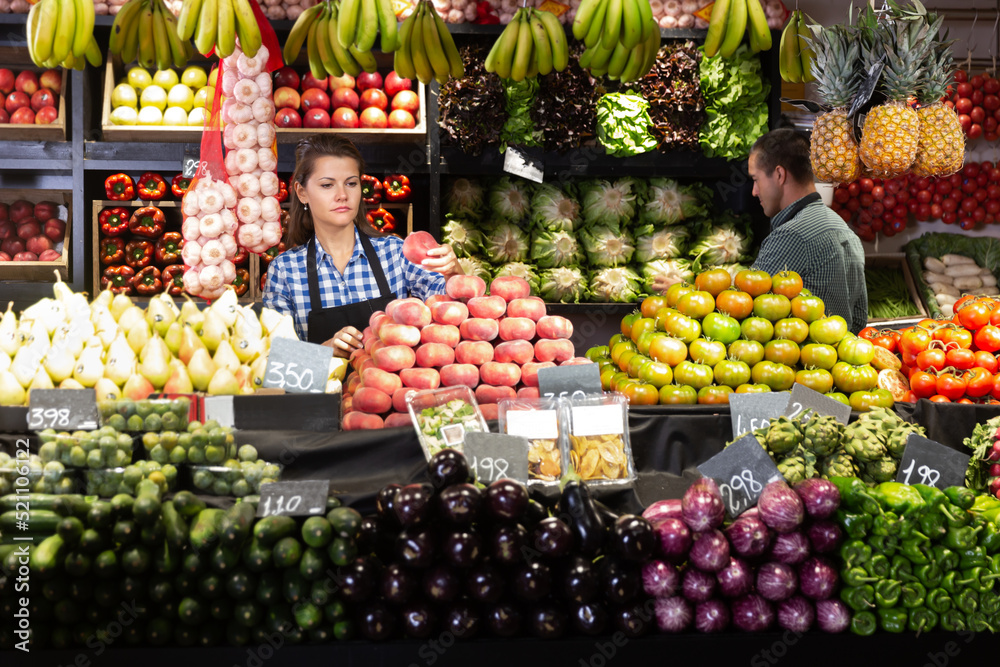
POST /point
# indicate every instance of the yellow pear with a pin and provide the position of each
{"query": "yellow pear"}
(5, 361)
(138, 335)
(172, 338)
(224, 357)
(103, 299)
(58, 363)
(190, 342)
(244, 376)
(154, 362)
(159, 315)
(106, 390)
(223, 383)
(214, 331)
(8, 331)
(25, 364)
(137, 388)
(120, 361)
(89, 367)
(70, 383)
(259, 367)
(226, 306)
(201, 368)
(179, 381)
(247, 342)
(191, 314)
(40, 381)
(119, 304)
(130, 316)
(48, 312)
(11, 391)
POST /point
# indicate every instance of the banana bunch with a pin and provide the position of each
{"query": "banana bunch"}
(794, 55)
(621, 36)
(317, 28)
(426, 49)
(533, 43)
(216, 24)
(146, 31)
(730, 20)
(360, 21)
(61, 33)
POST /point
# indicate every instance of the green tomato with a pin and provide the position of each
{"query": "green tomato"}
(757, 329)
(776, 376)
(694, 375)
(791, 328)
(673, 394)
(683, 327)
(848, 378)
(828, 330)
(749, 351)
(817, 355)
(719, 327)
(856, 351)
(708, 352)
(838, 396)
(817, 379)
(732, 373)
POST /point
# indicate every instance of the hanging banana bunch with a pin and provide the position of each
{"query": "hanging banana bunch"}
(621, 36)
(61, 33)
(730, 20)
(794, 55)
(533, 43)
(426, 48)
(146, 31)
(216, 24)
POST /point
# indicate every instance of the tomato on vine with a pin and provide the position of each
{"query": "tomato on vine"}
(979, 382)
(951, 386)
(974, 314)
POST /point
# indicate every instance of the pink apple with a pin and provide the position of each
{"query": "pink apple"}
(374, 97)
(316, 118)
(39, 244)
(6, 81)
(309, 81)
(346, 81)
(374, 117)
(395, 83)
(314, 98)
(55, 230)
(12, 245)
(26, 82)
(46, 116)
(287, 118)
(45, 211)
(27, 230)
(51, 79)
(401, 118)
(51, 255)
(6, 230)
(368, 80)
(286, 77)
(406, 99)
(20, 210)
(344, 117)
(4, 257)
(287, 98)
(43, 97)
(23, 116)
(4, 116)
(16, 100)
(345, 97)
(25, 256)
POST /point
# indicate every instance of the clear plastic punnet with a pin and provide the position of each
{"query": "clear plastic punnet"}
(599, 449)
(542, 422)
(443, 416)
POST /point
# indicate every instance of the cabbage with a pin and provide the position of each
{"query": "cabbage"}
(465, 198)
(521, 270)
(506, 242)
(677, 270)
(462, 235)
(666, 243)
(510, 199)
(563, 285)
(725, 242)
(555, 248)
(551, 208)
(474, 266)
(620, 284)
(606, 246)
(607, 203)
(669, 203)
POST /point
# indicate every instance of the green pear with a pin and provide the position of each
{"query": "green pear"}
(223, 383)
(201, 368)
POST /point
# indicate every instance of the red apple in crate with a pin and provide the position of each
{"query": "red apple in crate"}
(4, 257)
(12, 245)
(375, 118)
(4, 116)
(344, 117)
(286, 77)
(43, 97)
(7, 230)
(28, 229)
(316, 118)
(4, 212)
(26, 82)
(346, 81)
(314, 98)
(416, 245)
(15, 101)
(309, 81)
(367, 80)
(20, 210)
(55, 230)
(395, 83)
(287, 98)
(408, 100)
(25, 256)
(287, 118)
(51, 79)
(23, 116)
(51, 255)
(45, 211)
(344, 97)
(39, 244)
(374, 97)
(6, 81)
(46, 116)
(402, 119)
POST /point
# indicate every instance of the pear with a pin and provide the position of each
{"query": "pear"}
(58, 363)
(49, 312)
(38, 332)
(159, 315)
(172, 338)
(120, 362)
(247, 342)
(269, 319)
(130, 316)
(338, 368)
(226, 307)
(190, 342)
(285, 328)
(191, 314)
(138, 335)
(259, 367)
(179, 381)
(214, 331)
(224, 357)
(244, 377)
(333, 386)
(89, 367)
(25, 364)
(103, 299)
(168, 301)
(5, 361)
(119, 304)
(74, 333)
(223, 383)
(106, 390)
(70, 383)
(251, 320)
(107, 328)
(154, 362)
(8, 331)
(74, 302)
(137, 388)
(201, 368)
(11, 390)
(40, 381)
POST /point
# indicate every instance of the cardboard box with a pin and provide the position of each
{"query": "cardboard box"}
(40, 271)
(897, 260)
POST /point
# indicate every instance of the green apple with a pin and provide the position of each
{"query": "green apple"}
(203, 98)
(124, 95)
(175, 116)
(213, 76)
(150, 116)
(154, 96)
(125, 116)
(194, 77)
(139, 78)
(197, 117)
(181, 96)
(166, 78)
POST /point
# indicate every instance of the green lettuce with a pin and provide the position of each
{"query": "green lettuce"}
(510, 199)
(666, 243)
(551, 248)
(668, 203)
(606, 246)
(464, 198)
(475, 266)
(618, 284)
(677, 270)
(563, 285)
(606, 203)
(506, 242)
(520, 270)
(519, 128)
(725, 242)
(462, 235)
(623, 124)
(553, 209)
(735, 92)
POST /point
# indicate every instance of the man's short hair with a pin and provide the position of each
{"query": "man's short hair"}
(787, 148)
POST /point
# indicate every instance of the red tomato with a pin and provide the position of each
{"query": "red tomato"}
(974, 314)
(951, 386)
(914, 340)
(923, 384)
(932, 357)
(979, 382)
(987, 361)
(960, 358)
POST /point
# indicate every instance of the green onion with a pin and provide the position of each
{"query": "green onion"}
(888, 296)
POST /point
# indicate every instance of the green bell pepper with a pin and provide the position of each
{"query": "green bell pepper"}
(864, 624)
(884, 544)
(913, 595)
(922, 619)
(985, 503)
(945, 558)
(886, 524)
(915, 550)
(961, 538)
(887, 593)
(967, 601)
(989, 539)
(930, 575)
(855, 496)
(974, 557)
(939, 600)
(949, 582)
(892, 620)
(878, 566)
(856, 576)
(978, 578)
(858, 598)
(978, 622)
(989, 602)
(855, 553)
(901, 569)
(962, 496)
(953, 621)
(855, 525)
(932, 523)
(900, 498)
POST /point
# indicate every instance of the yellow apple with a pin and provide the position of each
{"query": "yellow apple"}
(197, 117)
(213, 76)
(194, 77)
(139, 78)
(203, 98)
(150, 116)
(166, 78)
(175, 116)
(154, 96)
(125, 116)
(124, 95)
(181, 96)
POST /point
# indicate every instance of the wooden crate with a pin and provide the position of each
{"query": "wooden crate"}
(55, 131)
(40, 271)
(897, 260)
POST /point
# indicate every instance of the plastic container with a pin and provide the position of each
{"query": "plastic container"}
(233, 478)
(103, 448)
(108, 482)
(155, 415)
(599, 449)
(542, 422)
(51, 477)
(443, 416)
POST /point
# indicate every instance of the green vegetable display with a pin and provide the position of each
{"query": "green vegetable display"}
(984, 249)
(735, 92)
(519, 129)
(888, 296)
(623, 125)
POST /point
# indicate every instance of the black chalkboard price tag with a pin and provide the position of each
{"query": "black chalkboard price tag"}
(63, 410)
(494, 456)
(866, 89)
(571, 381)
(750, 412)
(192, 162)
(303, 498)
(742, 470)
(297, 367)
(805, 403)
(931, 463)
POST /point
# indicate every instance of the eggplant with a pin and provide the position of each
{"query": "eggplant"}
(780, 507)
(369, 536)
(749, 536)
(580, 581)
(663, 509)
(832, 616)
(419, 620)
(385, 505)
(506, 500)
(448, 467)
(698, 586)
(442, 584)
(796, 614)
(776, 581)
(552, 538)
(711, 616)
(632, 620)
(710, 551)
(504, 620)
(702, 506)
(536, 512)
(673, 614)
(460, 503)
(463, 549)
(608, 515)
(790, 548)
(590, 618)
(413, 504)
(752, 613)
(415, 548)
(633, 539)
(824, 536)
(817, 578)
(398, 584)
(376, 621)
(507, 543)
(584, 518)
(548, 621)
(660, 579)
(820, 497)
(358, 580)
(621, 582)
(735, 579)
(675, 539)
(532, 581)
(485, 583)
(462, 620)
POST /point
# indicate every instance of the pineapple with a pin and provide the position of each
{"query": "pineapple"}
(833, 150)
(941, 143)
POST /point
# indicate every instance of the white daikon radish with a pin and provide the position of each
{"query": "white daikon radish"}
(934, 264)
(951, 259)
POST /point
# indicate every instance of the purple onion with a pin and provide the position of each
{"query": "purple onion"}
(698, 586)
(752, 613)
(710, 551)
(820, 497)
(735, 579)
(832, 616)
(659, 579)
(817, 578)
(780, 507)
(776, 581)
(749, 536)
(711, 616)
(825, 536)
(790, 548)
(796, 614)
(675, 539)
(663, 509)
(702, 507)
(672, 614)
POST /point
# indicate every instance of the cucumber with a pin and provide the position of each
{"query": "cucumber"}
(101, 515)
(332, 503)
(268, 589)
(132, 588)
(221, 609)
(240, 584)
(204, 533)
(342, 551)
(188, 504)
(335, 612)
(81, 590)
(77, 564)
(308, 616)
(146, 508)
(186, 585)
(287, 552)
(313, 564)
(153, 534)
(270, 529)
(321, 635)
(344, 630)
(193, 564)
(317, 532)
(71, 530)
(38, 522)
(122, 506)
(91, 542)
(29, 501)
(279, 618)
(55, 589)
(72, 505)
(125, 532)
(210, 586)
(236, 525)
(320, 593)
(224, 560)
(161, 589)
(294, 587)
(165, 560)
(256, 557)
(159, 632)
(346, 521)
(106, 564)
(191, 612)
(248, 613)
(136, 560)
(174, 526)
(46, 557)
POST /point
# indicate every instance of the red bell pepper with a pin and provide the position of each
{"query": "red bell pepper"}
(282, 191)
(139, 254)
(263, 281)
(273, 252)
(371, 189)
(118, 187)
(168, 248)
(242, 256)
(397, 187)
(147, 281)
(173, 279)
(152, 187)
(179, 185)
(147, 221)
(381, 220)
(242, 282)
(112, 250)
(118, 279)
(113, 221)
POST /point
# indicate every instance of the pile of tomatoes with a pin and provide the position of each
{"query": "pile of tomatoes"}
(968, 198)
(977, 101)
(701, 342)
(953, 360)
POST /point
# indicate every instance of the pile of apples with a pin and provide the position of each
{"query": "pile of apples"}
(344, 102)
(31, 232)
(493, 344)
(163, 97)
(30, 98)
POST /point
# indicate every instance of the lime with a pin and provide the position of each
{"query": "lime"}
(241, 488)
(134, 423)
(48, 452)
(169, 472)
(202, 479)
(125, 407)
(184, 440)
(194, 426)
(215, 454)
(132, 475)
(196, 456)
(94, 459)
(144, 408)
(150, 440)
(221, 487)
(217, 437)
(210, 424)
(171, 422)
(159, 454)
(248, 453)
(153, 422)
(160, 480)
(199, 438)
(117, 422)
(168, 439)
(178, 455)
(78, 457)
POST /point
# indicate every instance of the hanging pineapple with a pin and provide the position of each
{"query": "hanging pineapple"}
(832, 149)
(941, 147)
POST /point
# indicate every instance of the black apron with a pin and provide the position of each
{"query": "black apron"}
(324, 323)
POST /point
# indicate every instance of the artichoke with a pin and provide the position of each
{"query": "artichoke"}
(783, 436)
(793, 469)
(822, 435)
(839, 464)
(862, 442)
(882, 471)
